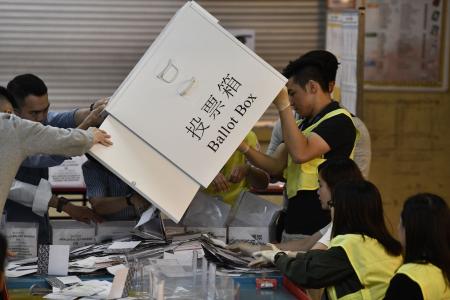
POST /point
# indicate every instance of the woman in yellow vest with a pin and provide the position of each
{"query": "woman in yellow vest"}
(425, 234)
(362, 257)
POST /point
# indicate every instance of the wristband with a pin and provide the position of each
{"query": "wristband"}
(61, 203)
(278, 255)
(284, 107)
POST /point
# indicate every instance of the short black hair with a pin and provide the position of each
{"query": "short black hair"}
(3, 248)
(24, 85)
(318, 65)
(6, 96)
(426, 220)
(327, 59)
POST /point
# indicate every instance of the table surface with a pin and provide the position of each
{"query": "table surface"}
(19, 287)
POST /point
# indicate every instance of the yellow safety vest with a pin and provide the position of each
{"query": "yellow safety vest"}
(305, 176)
(236, 159)
(372, 264)
(430, 279)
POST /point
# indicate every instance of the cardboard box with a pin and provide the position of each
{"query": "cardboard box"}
(114, 230)
(72, 233)
(22, 238)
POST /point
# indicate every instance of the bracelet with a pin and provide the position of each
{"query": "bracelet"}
(91, 108)
(61, 203)
(284, 107)
(278, 255)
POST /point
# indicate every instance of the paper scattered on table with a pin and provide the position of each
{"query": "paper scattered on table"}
(124, 245)
(57, 296)
(69, 279)
(113, 269)
(23, 268)
(14, 274)
(87, 288)
(58, 261)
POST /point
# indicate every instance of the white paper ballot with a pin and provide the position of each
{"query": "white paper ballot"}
(124, 245)
(14, 273)
(69, 279)
(146, 216)
(58, 260)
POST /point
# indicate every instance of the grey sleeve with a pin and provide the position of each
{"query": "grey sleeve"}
(39, 139)
(276, 139)
(363, 149)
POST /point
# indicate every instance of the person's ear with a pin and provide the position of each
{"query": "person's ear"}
(312, 87)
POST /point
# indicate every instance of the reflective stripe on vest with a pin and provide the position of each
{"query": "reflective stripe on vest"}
(429, 278)
(305, 176)
(372, 264)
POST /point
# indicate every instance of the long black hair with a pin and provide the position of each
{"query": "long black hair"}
(426, 220)
(358, 209)
(335, 170)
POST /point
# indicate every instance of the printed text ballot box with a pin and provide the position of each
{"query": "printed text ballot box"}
(195, 93)
(184, 109)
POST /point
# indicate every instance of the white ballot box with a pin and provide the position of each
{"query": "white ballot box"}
(190, 100)
(72, 233)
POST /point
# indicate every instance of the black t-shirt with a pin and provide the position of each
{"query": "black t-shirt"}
(403, 287)
(304, 213)
(338, 132)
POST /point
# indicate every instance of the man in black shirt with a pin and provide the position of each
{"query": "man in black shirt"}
(326, 131)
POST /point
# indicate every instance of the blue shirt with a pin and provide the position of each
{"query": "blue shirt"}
(100, 182)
